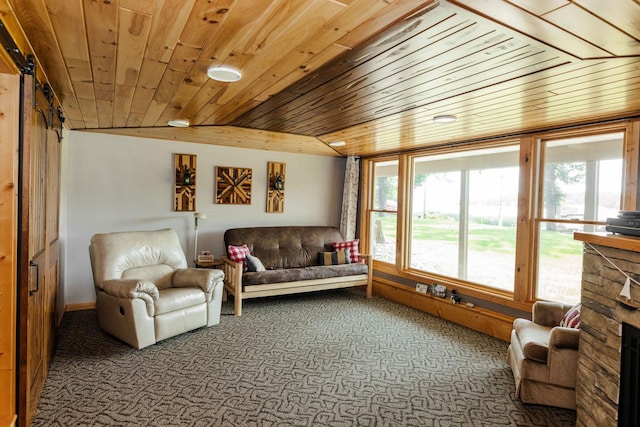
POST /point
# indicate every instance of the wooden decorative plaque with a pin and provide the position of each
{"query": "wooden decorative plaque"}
(185, 183)
(275, 192)
(233, 186)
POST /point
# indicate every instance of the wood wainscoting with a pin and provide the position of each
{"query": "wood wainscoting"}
(479, 319)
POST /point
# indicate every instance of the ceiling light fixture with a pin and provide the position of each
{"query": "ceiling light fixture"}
(444, 118)
(223, 73)
(179, 123)
(337, 143)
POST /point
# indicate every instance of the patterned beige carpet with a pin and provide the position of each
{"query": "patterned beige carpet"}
(323, 359)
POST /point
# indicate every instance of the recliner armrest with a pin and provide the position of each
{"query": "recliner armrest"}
(205, 279)
(131, 288)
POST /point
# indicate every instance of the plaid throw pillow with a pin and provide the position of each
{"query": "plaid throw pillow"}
(571, 319)
(352, 246)
(238, 254)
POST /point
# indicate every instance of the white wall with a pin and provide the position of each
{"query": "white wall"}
(117, 183)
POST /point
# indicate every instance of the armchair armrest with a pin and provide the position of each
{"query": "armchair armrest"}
(563, 356)
(205, 279)
(564, 338)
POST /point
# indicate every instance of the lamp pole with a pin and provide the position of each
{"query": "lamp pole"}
(196, 216)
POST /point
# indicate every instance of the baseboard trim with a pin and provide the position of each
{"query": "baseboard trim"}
(80, 306)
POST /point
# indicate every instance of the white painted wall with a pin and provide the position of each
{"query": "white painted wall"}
(116, 183)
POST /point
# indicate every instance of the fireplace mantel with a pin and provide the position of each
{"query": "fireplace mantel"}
(617, 241)
(598, 378)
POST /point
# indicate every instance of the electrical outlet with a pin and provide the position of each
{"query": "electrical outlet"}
(422, 288)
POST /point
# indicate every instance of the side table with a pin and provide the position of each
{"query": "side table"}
(216, 263)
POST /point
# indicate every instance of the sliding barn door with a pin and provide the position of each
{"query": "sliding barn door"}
(39, 248)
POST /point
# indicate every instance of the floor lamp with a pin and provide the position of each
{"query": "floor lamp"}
(197, 215)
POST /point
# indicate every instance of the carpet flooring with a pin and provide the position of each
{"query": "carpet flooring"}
(321, 359)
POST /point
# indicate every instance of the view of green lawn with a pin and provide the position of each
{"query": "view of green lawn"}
(491, 253)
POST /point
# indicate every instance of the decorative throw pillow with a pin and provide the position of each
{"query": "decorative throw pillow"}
(254, 263)
(571, 319)
(238, 254)
(352, 246)
(334, 258)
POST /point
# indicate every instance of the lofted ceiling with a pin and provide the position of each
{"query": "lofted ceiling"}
(372, 73)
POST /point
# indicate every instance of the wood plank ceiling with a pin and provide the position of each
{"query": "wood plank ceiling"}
(371, 73)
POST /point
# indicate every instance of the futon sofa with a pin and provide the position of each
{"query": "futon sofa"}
(291, 260)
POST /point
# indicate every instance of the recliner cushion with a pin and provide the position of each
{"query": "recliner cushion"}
(178, 298)
(534, 339)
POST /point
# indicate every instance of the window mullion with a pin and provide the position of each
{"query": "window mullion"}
(463, 226)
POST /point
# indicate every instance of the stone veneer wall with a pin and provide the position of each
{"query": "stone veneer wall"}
(598, 378)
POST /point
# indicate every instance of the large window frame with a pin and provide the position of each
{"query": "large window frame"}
(524, 292)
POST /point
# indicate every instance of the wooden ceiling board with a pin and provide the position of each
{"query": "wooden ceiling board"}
(230, 136)
(624, 14)
(370, 72)
(504, 100)
(406, 67)
(520, 20)
(102, 17)
(33, 20)
(539, 7)
(587, 26)
(316, 50)
(511, 93)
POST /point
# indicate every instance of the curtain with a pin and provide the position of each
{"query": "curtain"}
(349, 217)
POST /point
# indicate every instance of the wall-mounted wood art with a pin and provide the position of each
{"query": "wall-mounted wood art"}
(185, 185)
(233, 186)
(275, 191)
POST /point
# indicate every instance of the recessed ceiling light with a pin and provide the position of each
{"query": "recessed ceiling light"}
(224, 74)
(444, 118)
(337, 144)
(179, 123)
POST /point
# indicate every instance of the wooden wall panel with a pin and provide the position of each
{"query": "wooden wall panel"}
(9, 118)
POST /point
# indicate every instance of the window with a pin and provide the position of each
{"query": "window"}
(464, 215)
(495, 220)
(581, 185)
(384, 214)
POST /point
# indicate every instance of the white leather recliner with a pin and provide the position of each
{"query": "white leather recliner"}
(145, 292)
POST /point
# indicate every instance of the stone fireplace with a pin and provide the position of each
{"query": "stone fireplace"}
(606, 257)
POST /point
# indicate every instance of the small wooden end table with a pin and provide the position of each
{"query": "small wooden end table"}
(216, 263)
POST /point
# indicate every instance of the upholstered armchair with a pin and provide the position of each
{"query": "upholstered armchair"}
(145, 292)
(543, 357)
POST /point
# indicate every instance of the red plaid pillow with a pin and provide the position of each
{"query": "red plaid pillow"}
(571, 319)
(238, 254)
(352, 246)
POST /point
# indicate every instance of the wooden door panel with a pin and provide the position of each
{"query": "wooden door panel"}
(39, 251)
(36, 332)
